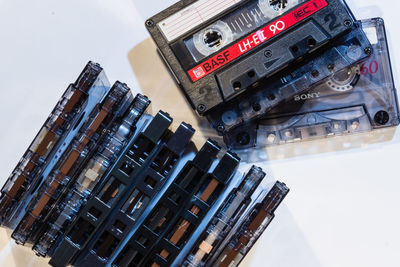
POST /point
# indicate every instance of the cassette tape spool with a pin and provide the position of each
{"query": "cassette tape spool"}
(359, 99)
(219, 49)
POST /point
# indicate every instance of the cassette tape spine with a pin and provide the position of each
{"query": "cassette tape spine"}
(135, 202)
(26, 172)
(137, 156)
(225, 218)
(180, 191)
(252, 227)
(91, 175)
(59, 177)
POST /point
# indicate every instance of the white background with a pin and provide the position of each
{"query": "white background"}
(343, 210)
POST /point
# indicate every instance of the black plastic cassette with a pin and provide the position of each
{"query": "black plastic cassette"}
(358, 99)
(145, 188)
(167, 228)
(218, 50)
(136, 158)
(54, 137)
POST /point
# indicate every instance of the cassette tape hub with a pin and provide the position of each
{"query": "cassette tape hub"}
(359, 99)
(243, 42)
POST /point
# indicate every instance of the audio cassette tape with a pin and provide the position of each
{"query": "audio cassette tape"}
(219, 50)
(358, 99)
(64, 122)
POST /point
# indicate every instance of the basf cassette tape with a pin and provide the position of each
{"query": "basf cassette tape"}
(219, 50)
(359, 99)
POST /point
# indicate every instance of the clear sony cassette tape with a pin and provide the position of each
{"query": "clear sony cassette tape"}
(219, 50)
(358, 99)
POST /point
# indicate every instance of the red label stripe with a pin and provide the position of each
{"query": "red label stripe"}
(254, 40)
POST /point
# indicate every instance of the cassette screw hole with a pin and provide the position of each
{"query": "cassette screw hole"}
(311, 42)
(237, 85)
(271, 97)
(315, 73)
(251, 74)
(268, 53)
(220, 128)
(368, 50)
(149, 23)
(243, 138)
(201, 108)
(256, 107)
(331, 67)
(382, 117)
(347, 23)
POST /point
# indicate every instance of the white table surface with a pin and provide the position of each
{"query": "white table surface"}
(343, 210)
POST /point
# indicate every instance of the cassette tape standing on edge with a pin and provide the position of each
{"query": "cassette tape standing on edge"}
(359, 99)
(137, 156)
(220, 51)
(85, 141)
(145, 188)
(237, 225)
(225, 218)
(53, 138)
(67, 207)
(113, 180)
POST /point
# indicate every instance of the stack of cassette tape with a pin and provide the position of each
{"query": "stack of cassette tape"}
(106, 183)
(269, 72)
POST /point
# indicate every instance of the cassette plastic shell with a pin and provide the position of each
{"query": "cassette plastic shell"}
(313, 29)
(64, 123)
(367, 104)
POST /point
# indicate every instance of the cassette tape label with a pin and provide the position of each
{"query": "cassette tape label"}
(192, 16)
(255, 39)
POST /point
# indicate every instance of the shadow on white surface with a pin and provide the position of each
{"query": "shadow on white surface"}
(282, 245)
